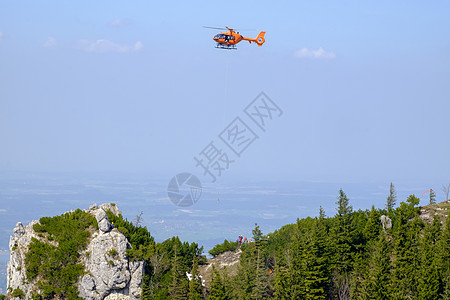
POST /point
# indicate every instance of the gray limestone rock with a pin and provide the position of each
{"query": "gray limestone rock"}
(102, 220)
(111, 207)
(19, 230)
(108, 269)
(109, 273)
(16, 270)
(386, 222)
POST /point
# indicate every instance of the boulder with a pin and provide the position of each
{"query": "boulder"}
(386, 222)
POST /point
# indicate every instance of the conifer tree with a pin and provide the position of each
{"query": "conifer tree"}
(392, 198)
(444, 264)
(428, 279)
(321, 213)
(342, 234)
(432, 197)
(406, 237)
(344, 209)
(260, 290)
(178, 286)
(257, 235)
(282, 284)
(316, 279)
(373, 225)
(217, 289)
(296, 272)
(376, 281)
(195, 284)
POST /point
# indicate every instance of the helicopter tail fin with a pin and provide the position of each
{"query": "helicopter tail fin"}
(260, 38)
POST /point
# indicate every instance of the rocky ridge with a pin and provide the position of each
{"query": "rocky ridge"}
(108, 272)
(439, 210)
(225, 262)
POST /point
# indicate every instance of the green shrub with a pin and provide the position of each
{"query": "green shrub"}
(224, 247)
(113, 252)
(140, 239)
(18, 293)
(58, 265)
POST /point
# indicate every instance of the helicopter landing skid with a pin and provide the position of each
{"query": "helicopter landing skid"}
(225, 46)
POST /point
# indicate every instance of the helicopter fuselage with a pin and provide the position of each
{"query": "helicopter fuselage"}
(229, 39)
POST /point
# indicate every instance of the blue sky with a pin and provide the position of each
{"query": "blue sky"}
(112, 86)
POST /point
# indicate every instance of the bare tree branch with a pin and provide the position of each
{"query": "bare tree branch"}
(139, 219)
(446, 190)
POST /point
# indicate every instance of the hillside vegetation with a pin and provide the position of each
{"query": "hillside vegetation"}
(351, 255)
(347, 256)
(56, 267)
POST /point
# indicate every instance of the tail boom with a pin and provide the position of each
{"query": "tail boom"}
(258, 40)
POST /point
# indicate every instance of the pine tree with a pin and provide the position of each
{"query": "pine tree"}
(407, 262)
(428, 279)
(257, 235)
(178, 286)
(316, 279)
(432, 197)
(342, 235)
(392, 198)
(195, 284)
(444, 263)
(373, 225)
(321, 213)
(378, 270)
(296, 272)
(260, 290)
(282, 284)
(217, 289)
(344, 209)
(244, 282)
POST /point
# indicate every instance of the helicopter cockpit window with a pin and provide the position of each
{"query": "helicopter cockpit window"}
(224, 37)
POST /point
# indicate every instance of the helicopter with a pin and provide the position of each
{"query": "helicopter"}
(229, 39)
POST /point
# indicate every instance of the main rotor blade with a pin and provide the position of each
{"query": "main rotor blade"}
(221, 28)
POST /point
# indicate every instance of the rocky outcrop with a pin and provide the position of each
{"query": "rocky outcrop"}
(431, 211)
(227, 262)
(386, 222)
(108, 272)
(18, 246)
(108, 269)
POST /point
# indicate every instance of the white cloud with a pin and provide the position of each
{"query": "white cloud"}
(102, 46)
(310, 53)
(2, 210)
(50, 42)
(119, 22)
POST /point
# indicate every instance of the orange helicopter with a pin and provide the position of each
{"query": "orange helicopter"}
(229, 39)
